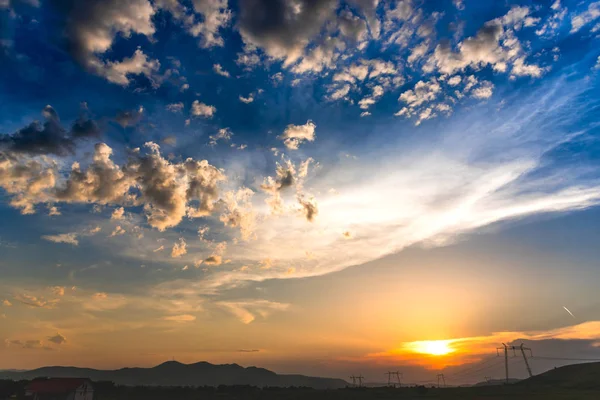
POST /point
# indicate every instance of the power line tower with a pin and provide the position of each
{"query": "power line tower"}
(514, 349)
(525, 357)
(396, 374)
(358, 379)
(505, 358)
(442, 379)
(488, 379)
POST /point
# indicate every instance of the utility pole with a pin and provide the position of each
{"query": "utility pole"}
(397, 374)
(440, 377)
(525, 358)
(353, 380)
(505, 359)
(487, 378)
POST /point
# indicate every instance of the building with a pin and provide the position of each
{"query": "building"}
(60, 389)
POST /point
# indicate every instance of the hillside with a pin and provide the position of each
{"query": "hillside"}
(575, 376)
(173, 373)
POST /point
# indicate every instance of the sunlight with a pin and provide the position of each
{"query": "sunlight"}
(432, 347)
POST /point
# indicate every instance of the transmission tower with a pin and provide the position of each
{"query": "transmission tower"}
(488, 379)
(358, 379)
(391, 381)
(525, 357)
(514, 349)
(442, 379)
(505, 358)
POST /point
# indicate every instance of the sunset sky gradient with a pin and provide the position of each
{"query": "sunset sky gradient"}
(314, 187)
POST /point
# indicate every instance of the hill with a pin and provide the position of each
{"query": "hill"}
(173, 373)
(575, 376)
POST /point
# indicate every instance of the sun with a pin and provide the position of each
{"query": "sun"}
(432, 347)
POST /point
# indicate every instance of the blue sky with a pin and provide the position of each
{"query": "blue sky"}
(179, 169)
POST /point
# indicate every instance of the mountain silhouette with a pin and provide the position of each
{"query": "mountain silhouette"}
(173, 373)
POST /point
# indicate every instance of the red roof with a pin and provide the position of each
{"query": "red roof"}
(55, 385)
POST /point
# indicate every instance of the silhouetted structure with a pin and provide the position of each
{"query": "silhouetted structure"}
(60, 389)
(392, 374)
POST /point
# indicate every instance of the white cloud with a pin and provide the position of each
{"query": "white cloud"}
(202, 110)
(248, 99)
(179, 248)
(218, 69)
(118, 213)
(215, 15)
(118, 231)
(578, 21)
(248, 311)
(175, 107)
(223, 134)
(180, 318)
(68, 238)
(484, 91)
(92, 27)
(294, 135)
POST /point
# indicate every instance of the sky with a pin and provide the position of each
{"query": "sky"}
(318, 187)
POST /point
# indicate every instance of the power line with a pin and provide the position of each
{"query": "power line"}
(564, 358)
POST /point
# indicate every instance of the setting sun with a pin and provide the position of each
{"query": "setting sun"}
(432, 347)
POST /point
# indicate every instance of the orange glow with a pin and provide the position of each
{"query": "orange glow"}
(431, 347)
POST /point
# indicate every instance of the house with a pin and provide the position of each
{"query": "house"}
(60, 389)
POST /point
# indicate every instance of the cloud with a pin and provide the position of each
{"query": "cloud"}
(223, 134)
(180, 318)
(494, 44)
(239, 212)
(58, 290)
(6, 303)
(592, 13)
(118, 213)
(57, 339)
(218, 69)
(175, 107)
(248, 99)
(50, 137)
(309, 208)
(280, 28)
(118, 231)
(179, 248)
(214, 260)
(484, 91)
(92, 27)
(68, 238)
(166, 191)
(129, 117)
(248, 311)
(202, 110)
(215, 16)
(170, 140)
(53, 211)
(37, 302)
(294, 135)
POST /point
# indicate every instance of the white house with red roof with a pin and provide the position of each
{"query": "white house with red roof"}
(60, 389)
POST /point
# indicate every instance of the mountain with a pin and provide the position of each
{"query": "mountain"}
(173, 373)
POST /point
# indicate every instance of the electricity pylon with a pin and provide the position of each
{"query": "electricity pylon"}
(397, 374)
(357, 378)
(514, 349)
(440, 377)
(525, 357)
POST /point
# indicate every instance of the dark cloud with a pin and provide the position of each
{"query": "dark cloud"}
(57, 339)
(91, 26)
(129, 117)
(282, 28)
(49, 137)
